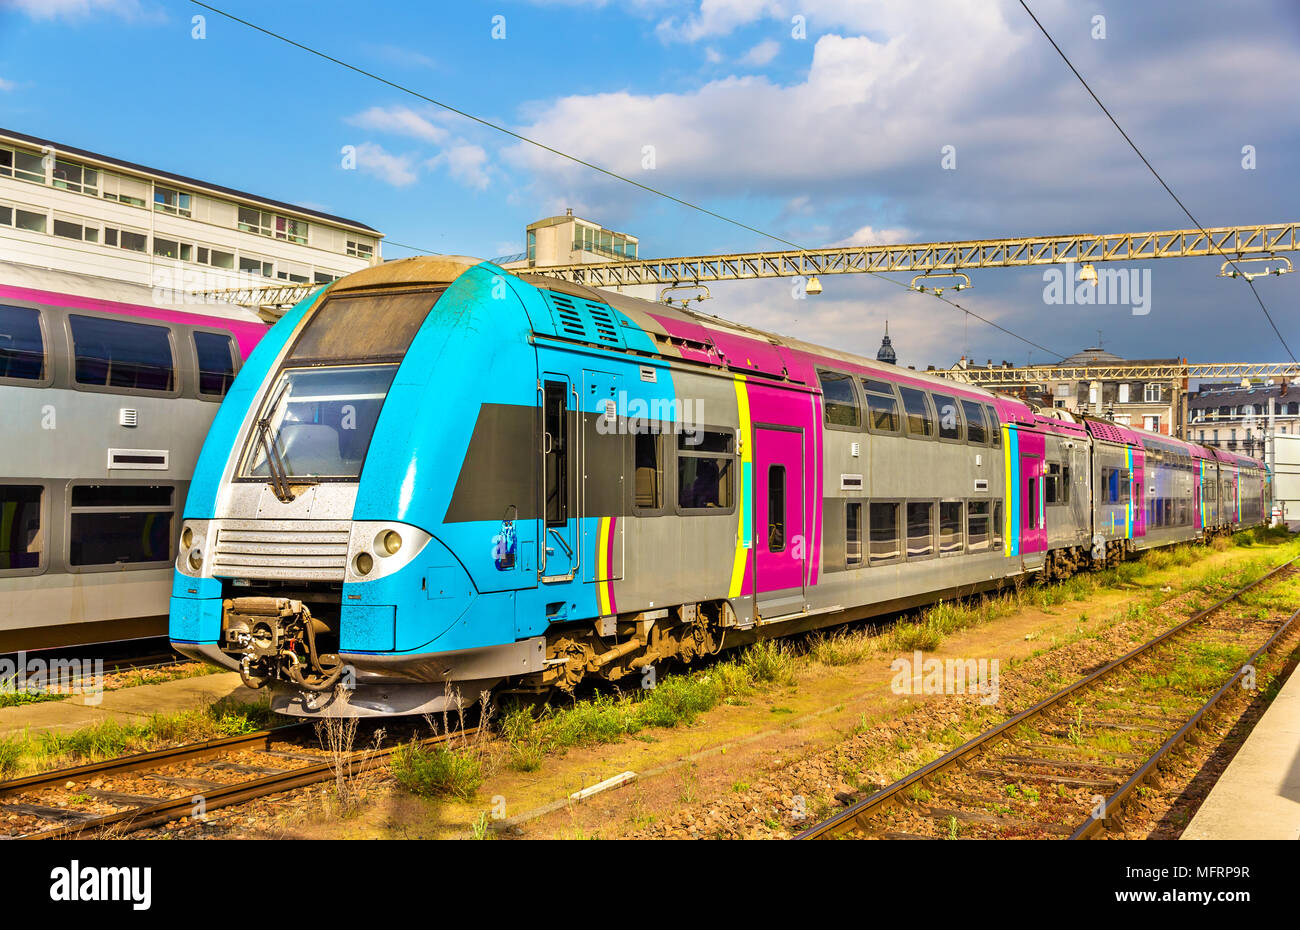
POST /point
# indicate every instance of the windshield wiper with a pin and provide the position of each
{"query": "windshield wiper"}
(275, 464)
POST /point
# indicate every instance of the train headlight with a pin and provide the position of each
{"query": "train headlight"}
(389, 542)
(196, 559)
(192, 540)
(187, 538)
(364, 563)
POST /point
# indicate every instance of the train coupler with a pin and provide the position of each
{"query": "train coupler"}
(275, 639)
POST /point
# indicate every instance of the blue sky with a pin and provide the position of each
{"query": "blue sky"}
(835, 136)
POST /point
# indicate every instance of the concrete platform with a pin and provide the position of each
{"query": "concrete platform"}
(127, 705)
(1258, 796)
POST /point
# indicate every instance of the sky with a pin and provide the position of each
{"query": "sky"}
(821, 122)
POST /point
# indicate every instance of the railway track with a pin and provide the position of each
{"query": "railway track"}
(1067, 766)
(136, 792)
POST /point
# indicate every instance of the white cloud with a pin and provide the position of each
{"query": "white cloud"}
(868, 235)
(6, 85)
(762, 53)
(72, 9)
(401, 121)
(397, 170)
(466, 163)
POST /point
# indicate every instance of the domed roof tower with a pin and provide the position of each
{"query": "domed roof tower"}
(887, 353)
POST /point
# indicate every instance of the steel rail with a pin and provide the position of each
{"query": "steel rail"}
(141, 818)
(1115, 801)
(149, 760)
(856, 813)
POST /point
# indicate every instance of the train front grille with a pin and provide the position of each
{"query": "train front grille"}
(314, 550)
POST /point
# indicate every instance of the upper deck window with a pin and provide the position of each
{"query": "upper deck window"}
(22, 348)
(882, 406)
(949, 416)
(919, 419)
(840, 399)
(216, 362)
(122, 354)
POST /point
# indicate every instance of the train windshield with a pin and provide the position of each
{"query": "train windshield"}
(318, 423)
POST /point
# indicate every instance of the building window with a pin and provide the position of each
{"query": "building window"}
(21, 537)
(1151, 423)
(1151, 393)
(22, 348)
(25, 166)
(120, 524)
(251, 264)
(920, 529)
(69, 229)
(166, 200)
(32, 222)
(532, 247)
(118, 354)
(126, 239)
(254, 221)
(853, 534)
(705, 477)
(291, 230)
(840, 399)
(776, 508)
(882, 406)
(361, 249)
(216, 363)
(125, 190)
(170, 248)
(649, 466)
(1092, 394)
(324, 277)
(215, 257)
(883, 532)
(70, 176)
(1123, 393)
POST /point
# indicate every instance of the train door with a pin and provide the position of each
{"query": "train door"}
(558, 554)
(603, 448)
(781, 546)
(1033, 518)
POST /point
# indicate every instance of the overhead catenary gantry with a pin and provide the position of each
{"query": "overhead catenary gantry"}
(917, 258)
(1006, 376)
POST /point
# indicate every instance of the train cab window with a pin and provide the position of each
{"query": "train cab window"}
(920, 529)
(705, 472)
(853, 534)
(216, 363)
(949, 416)
(883, 532)
(916, 412)
(22, 348)
(649, 465)
(121, 524)
(950, 527)
(978, 534)
(21, 535)
(840, 399)
(882, 406)
(776, 508)
(122, 354)
(975, 429)
(995, 426)
(555, 446)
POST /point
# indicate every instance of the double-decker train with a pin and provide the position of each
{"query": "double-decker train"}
(436, 478)
(104, 405)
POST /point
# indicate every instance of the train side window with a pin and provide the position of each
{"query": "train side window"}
(975, 429)
(121, 524)
(977, 526)
(122, 354)
(917, 413)
(1056, 489)
(22, 348)
(1125, 481)
(555, 421)
(950, 527)
(840, 399)
(882, 406)
(22, 538)
(920, 529)
(649, 466)
(949, 416)
(705, 472)
(883, 532)
(216, 363)
(997, 524)
(995, 426)
(853, 534)
(776, 508)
